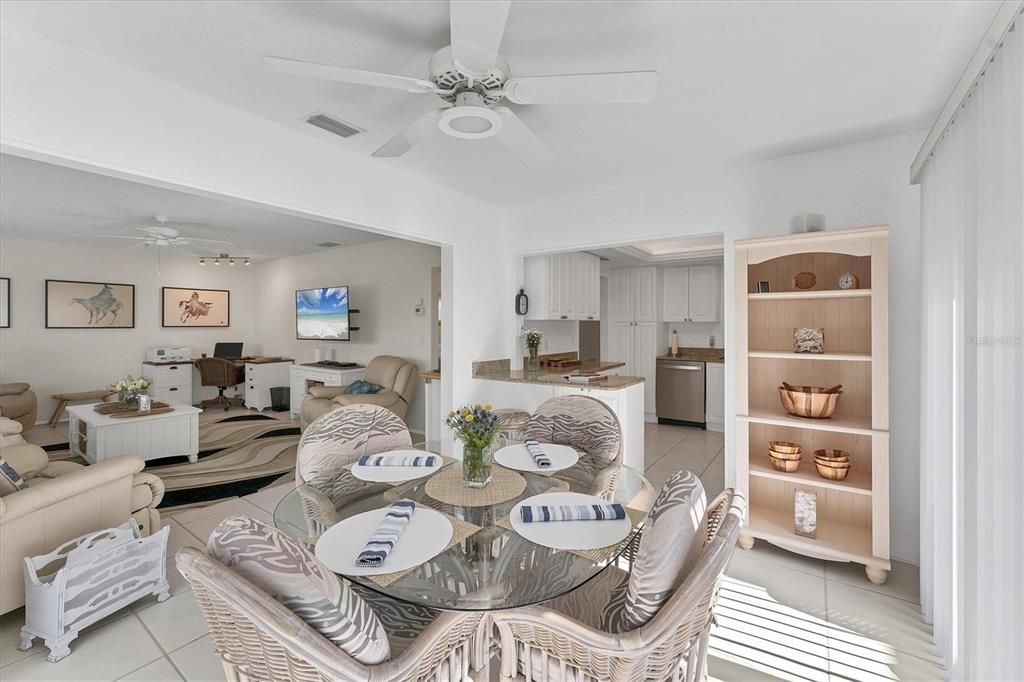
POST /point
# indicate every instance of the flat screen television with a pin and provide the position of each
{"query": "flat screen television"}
(322, 314)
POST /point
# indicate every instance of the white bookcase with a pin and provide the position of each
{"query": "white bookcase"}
(852, 514)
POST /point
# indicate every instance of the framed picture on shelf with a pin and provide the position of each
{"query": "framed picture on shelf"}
(5, 302)
(763, 287)
(184, 307)
(89, 305)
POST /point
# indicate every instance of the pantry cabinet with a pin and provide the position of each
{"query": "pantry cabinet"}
(633, 294)
(563, 286)
(691, 294)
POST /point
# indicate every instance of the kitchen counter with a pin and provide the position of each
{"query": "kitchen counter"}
(546, 377)
(697, 355)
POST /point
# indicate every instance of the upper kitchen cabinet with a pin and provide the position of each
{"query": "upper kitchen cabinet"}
(563, 286)
(691, 294)
(633, 294)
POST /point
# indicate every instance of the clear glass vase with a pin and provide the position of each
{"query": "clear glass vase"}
(533, 364)
(129, 400)
(476, 465)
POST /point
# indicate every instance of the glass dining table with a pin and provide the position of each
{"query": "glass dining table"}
(491, 567)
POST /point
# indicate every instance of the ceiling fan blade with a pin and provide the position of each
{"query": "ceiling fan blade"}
(416, 132)
(208, 241)
(627, 87)
(343, 75)
(108, 236)
(514, 134)
(477, 28)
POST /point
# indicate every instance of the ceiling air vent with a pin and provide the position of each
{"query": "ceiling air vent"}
(328, 245)
(333, 125)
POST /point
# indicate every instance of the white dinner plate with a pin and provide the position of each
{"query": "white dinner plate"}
(397, 474)
(570, 534)
(426, 536)
(518, 457)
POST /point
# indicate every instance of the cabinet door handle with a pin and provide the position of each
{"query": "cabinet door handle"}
(172, 389)
(173, 367)
(565, 317)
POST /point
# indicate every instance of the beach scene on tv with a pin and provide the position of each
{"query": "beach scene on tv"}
(322, 314)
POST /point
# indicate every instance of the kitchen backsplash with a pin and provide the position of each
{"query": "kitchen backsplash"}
(692, 334)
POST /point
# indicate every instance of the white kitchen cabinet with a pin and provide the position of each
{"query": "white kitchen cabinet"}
(633, 294)
(170, 383)
(691, 294)
(714, 408)
(635, 343)
(620, 346)
(563, 286)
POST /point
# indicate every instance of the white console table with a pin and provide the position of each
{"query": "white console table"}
(304, 376)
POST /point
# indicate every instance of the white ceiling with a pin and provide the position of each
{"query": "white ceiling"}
(52, 203)
(739, 80)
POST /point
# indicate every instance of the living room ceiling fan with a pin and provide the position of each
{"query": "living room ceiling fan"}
(473, 79)
(162, 234)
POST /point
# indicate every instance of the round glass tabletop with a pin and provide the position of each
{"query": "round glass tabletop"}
(489, 566)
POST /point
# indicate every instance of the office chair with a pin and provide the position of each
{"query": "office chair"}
(221, 373)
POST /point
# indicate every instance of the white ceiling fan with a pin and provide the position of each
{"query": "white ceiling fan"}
(160, 235)
(472, 78)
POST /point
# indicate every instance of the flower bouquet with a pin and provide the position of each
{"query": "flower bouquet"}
(475, 426)
(128, 390)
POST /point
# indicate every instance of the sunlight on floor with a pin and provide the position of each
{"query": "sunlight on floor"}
(768, 638)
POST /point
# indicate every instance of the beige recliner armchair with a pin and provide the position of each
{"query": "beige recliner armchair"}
(62, 501)
(18, 402)
(396, 376)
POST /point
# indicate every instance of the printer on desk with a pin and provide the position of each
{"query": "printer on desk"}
(168, 354)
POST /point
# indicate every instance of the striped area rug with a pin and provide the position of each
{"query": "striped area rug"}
(238, 455)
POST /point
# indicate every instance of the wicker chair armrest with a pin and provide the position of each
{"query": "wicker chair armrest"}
(550, 622)
(449, 630)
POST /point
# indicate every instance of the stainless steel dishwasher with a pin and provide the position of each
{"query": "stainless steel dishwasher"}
(679, 392)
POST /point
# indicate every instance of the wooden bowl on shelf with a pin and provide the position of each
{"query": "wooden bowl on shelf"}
(786, 465)
(784, 455)
(832, 454)
(810, 402)
(833, 472)
(784, 446)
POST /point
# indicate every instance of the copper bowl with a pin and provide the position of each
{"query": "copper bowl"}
(784, 446)
(810, 402)
(786, 465)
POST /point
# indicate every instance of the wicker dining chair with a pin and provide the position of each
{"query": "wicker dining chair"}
(542, 644)
(592, 429)
(257, 637)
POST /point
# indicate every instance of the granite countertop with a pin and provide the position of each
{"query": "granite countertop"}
(545, 378)
(697, 355)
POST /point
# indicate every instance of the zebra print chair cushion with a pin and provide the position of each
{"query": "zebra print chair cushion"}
(670, 543)
(288, 572)
(341, 437)
(584, 423)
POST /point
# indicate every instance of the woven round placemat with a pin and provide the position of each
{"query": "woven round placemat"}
(446, 486)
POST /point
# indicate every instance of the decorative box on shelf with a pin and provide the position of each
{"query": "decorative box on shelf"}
(89, 578)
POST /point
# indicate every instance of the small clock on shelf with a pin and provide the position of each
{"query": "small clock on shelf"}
(848, 280)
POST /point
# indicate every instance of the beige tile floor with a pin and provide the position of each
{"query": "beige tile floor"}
(780, 616)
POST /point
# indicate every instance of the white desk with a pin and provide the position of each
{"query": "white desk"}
(304, 376)
(260, 377)
(96, 436)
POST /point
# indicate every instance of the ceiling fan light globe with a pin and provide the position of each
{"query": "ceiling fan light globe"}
(470, 122)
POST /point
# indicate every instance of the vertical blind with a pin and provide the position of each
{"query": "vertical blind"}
(972, 417)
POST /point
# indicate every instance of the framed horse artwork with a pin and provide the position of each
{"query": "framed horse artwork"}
(183, 307)
(89, 305)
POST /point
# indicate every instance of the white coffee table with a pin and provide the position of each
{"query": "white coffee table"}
(96, 436)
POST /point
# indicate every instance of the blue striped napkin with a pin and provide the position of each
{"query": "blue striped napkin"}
(537, 452)
(572, 512)
(397, 461)
(387, 534)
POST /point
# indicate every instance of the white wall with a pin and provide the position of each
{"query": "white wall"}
(852, 185)
(58, 360)
(385, 279)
